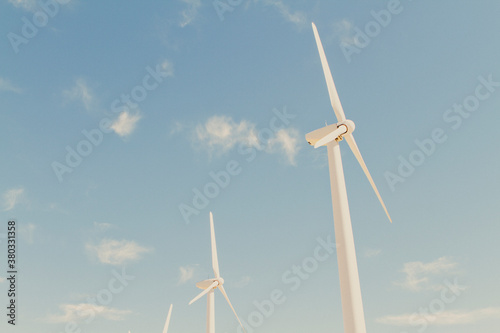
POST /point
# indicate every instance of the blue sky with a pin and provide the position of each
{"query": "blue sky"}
(115, 117)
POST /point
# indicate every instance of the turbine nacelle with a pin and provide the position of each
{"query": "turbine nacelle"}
(207, 283)
(327, 134)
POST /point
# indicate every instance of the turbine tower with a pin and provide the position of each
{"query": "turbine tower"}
(167, 322)
(330, 136)
(210, 285)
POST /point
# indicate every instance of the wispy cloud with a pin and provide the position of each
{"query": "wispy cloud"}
(167, 67)
(102, 227)
(177, 127)
(371, 253)
(2, 279)
(442, 318)
(343, 31)
(125, 124)
(29, 5)
(421, 276)
(11, 198)
(287, 141)
(223, 133)
(80, 92)
(114, 252)
(190, 13)
(87, 311)
(6, 85)
(185, 274)
(298, 18)
(243, 282)
(27, 232)
(220, 134)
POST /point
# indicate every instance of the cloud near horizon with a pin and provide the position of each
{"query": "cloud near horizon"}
(87, 311)
(443, 318)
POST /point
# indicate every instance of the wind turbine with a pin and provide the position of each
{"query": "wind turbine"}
(210, 285)
(330, 136)
(167, 322)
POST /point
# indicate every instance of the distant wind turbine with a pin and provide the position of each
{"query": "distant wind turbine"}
(167, 322)
(210, 285)
(330, 136)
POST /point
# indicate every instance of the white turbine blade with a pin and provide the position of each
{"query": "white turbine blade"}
(215, 261)
(331, 136)
(204, 292)
(354, 147)
(167, 322)
(221, 288)
(332, 91)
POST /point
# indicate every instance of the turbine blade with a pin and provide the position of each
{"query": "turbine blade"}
(332, 91)
(204, 292)
(215, 261)
(167, 322)
(221, 288)
(331, 136)
(354, 147)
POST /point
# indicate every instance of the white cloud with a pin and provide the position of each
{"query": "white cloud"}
(11, 198)
(185, 274)
(344, 31)
(125, 124)
(86, 311)
(420, 276)
(101, 227)
(442, 318)
(221, 132)
(80, 92)
(177, 127)
(27, 232)
(6, 85)
(287, 140)
(370, 253)
(2, 279)
(190, 14)
(114, 252)
(167, 68)
(298, 17)
(29, 5)
(243, 282)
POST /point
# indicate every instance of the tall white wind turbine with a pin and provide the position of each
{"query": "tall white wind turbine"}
(210, 285)
(330, 136)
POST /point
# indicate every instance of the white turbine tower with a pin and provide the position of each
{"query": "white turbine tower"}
(210, 285)
(167, 322)
(330, 136)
